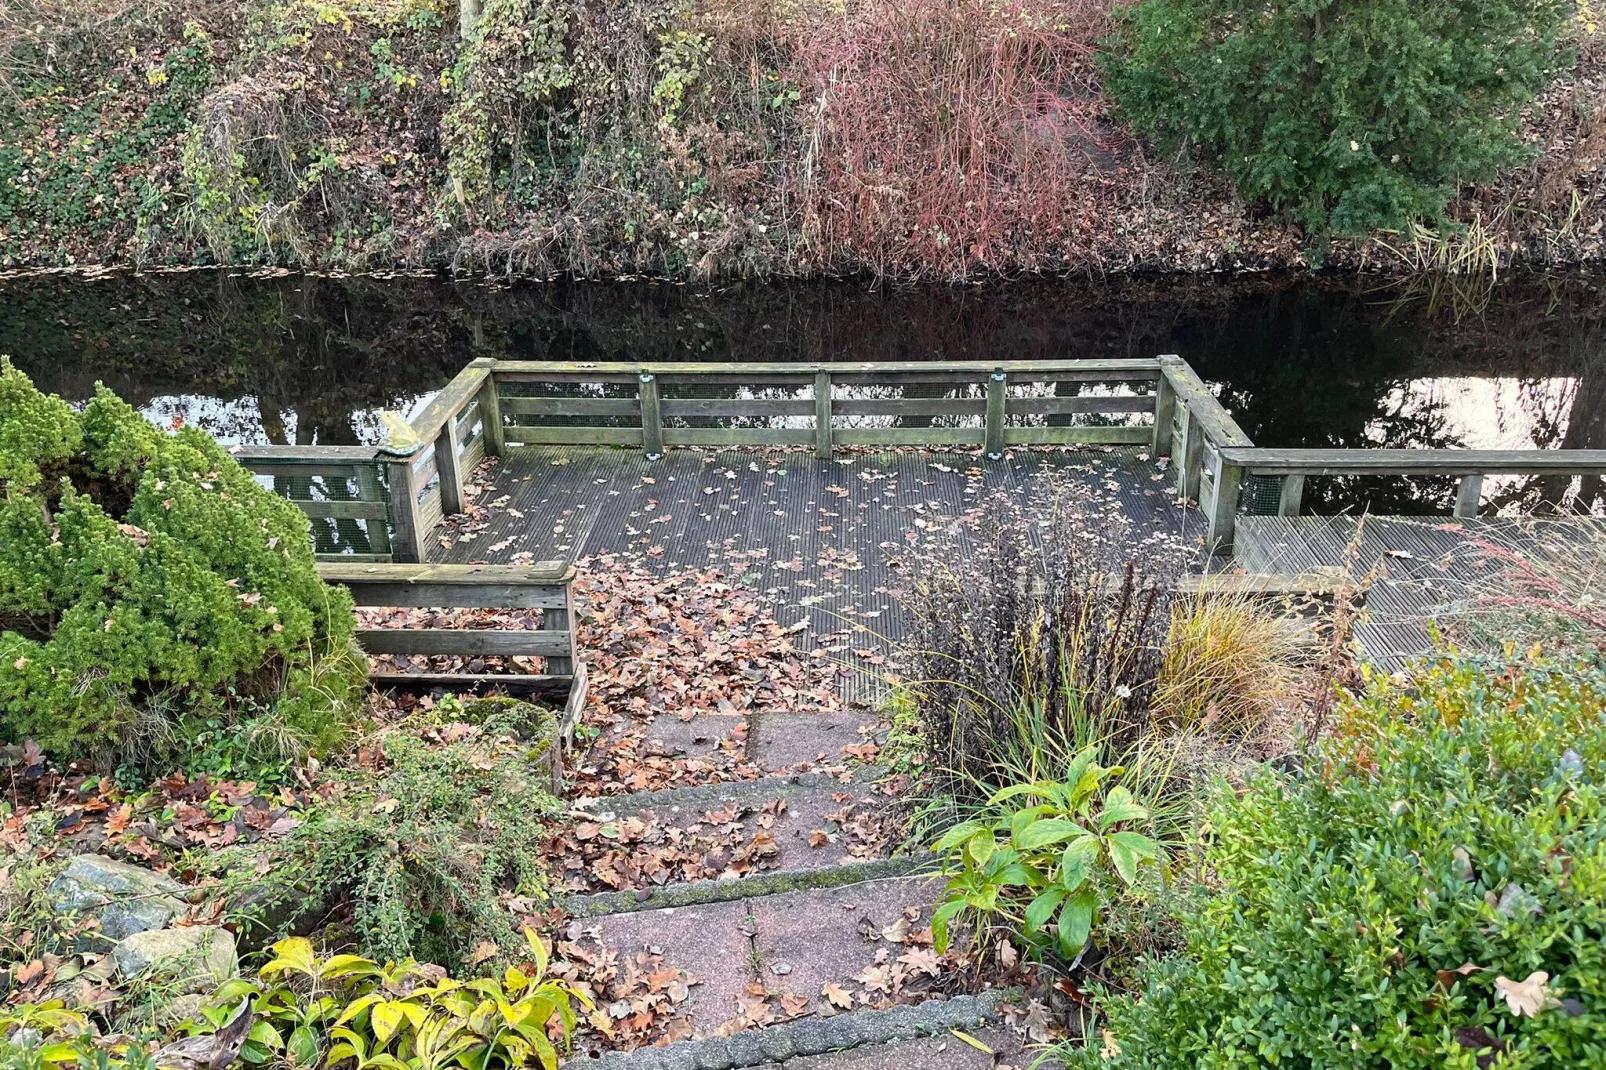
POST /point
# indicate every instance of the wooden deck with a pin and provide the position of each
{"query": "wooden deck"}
(821, 538)
(1421, 569)
(809, 480)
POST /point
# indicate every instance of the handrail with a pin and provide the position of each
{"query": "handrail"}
(654, 419)
(1113, 367)
(1264, 461)
(1200, 428)
(1469, 466)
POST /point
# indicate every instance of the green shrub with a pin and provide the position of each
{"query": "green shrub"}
(1047, 853)
(147, 580)
(1346, 114)
(1430, 893)
(431, 833)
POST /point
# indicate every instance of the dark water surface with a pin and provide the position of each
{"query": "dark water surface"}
(1299, 361)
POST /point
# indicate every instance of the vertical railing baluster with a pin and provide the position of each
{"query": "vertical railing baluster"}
(997, 394)
(822, 415)
(1223, 509)
(1165, 404)
(1468, 493)
(1293, 491)
(409, 541)
(652, 428)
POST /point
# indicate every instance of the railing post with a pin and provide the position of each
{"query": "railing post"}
(448, 462)
(1223, 513)
(652, 428)
(822, 415)
(1468, 492)
(1189, 459)
(491, 416)
(1165, 406)
(408, 545)
(1293, 491)
(997, 393)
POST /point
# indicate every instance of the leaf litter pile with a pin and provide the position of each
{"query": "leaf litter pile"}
(680, 646)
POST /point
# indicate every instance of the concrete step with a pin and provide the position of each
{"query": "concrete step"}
(633, 842)
(773, 955)
(672, 750)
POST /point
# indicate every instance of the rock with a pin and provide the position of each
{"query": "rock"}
(125, 899)
(197, 956)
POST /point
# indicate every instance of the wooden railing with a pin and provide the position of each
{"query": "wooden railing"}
(543, 585)
(651, 406)
(1199, 428)
(400, 496)
(1468, 467)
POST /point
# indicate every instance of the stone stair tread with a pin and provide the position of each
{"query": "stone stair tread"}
(834, 935)
(908, 1035)
(941, 1052)
(804, 741)
(799, 827)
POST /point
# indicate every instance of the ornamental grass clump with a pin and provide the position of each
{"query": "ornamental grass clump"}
(147, 582)
(1036, 631)
(1429, 892)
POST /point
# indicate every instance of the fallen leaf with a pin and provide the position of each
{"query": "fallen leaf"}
(1526, 997)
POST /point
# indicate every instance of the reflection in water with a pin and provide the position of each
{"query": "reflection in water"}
(1300, 362)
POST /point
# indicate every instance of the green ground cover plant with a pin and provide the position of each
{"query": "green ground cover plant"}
(148, 584)
(1430, 891)
(1058, 853)
(429, 846)
(341, 1010)
(1347, 115)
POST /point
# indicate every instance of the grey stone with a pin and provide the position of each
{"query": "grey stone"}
(745, 1049)
(679, 1057)
(714, 1054)
(902, 1022)
(810, 1037)
(841, 1032)
(777, 1045)
(125, 899)
(198, 955)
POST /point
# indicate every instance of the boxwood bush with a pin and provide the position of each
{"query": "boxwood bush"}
(1431, 892)
(147, 580)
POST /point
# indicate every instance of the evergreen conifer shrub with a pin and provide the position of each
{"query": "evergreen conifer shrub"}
(1348, 115)
(146, 580)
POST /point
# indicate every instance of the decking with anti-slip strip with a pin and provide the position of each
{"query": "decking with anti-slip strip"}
(1418, 569)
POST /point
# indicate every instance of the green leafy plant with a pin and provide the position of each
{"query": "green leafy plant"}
(1428, 893)
(1048, 857)
(1348, 115)
(148, 583)
(343, 1011)
(399, 1016)
(425, 838)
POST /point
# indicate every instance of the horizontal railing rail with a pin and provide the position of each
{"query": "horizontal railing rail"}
(1468, 467)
